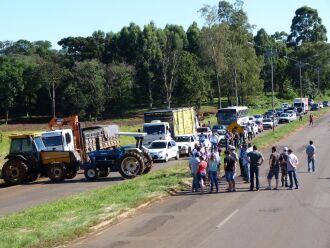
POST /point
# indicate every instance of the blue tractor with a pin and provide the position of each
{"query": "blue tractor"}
(129, 161)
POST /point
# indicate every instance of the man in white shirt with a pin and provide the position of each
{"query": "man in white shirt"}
(292, 167)
(214, 139)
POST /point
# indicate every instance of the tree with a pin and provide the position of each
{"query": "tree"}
(11, 83)
(193, 37)
(172, 41)
(306, 27)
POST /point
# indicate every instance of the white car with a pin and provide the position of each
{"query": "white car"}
(321, 105)
(204, 130)
(258, 118)
(252, 119)
(186, 143)
(164, 150)
(285, 105)
(287, 117)
(268, 123)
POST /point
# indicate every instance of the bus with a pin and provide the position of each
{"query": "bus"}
(238, 114)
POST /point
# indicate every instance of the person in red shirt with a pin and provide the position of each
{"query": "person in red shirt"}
(202, 172)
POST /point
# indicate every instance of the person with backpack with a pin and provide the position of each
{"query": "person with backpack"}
(274, 168)
(256, 160)
(310, 151)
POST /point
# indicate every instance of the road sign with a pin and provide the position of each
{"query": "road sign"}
(233, 126)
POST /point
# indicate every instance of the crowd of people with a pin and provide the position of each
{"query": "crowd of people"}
(206, 162)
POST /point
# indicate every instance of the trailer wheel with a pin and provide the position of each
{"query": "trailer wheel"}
(57, 172)
(131, 165)
(147, 161)
(91, 174)
(104, 172)
(14, 172)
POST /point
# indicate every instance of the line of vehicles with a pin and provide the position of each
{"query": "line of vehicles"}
(169, 133)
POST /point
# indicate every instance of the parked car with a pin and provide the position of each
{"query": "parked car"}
(315, 106)
(287, 117)
(258, 118)
(252, 119)
(219, 129)
(279, 111)
(285, 105)
(310, 102)
(164, 150)
(205, 130)
(326, 104)
(268, 123)
(185, 143)
(321, 105)
(260, 126)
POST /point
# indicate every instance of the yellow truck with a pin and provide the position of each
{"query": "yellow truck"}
(168, 123)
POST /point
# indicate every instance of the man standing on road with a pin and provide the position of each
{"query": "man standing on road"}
(249, 130)
(230, 168)
(311, 120)
(214, 139)
(310, 151)
(256, 159)
(274, 168)
(284, 169)
(292, 167)
(212, 168)
(246, 163)
(242, 155)
(193, 166)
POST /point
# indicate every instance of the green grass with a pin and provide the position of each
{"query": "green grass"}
(53, 223)
(283, 130)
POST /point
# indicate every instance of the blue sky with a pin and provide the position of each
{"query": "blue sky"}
(52, 20)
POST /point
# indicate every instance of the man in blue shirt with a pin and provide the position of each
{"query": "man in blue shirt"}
(256, 159)
(310, 151)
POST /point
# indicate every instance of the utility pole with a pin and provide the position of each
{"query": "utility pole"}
(272, 66)
(300, 65)
(318, 82)
(53, 100)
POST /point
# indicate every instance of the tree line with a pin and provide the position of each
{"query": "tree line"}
(111, 73)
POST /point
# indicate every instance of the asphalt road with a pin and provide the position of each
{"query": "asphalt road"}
(17, 198)
(283, 218)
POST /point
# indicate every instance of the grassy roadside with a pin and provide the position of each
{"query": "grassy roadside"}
(283, 130)
(54, 223)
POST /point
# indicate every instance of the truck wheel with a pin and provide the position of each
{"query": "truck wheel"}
(91, 174)
(31, 177)
(166, 158)
(14, 172)
(104, 172)
(147, 162)
(57, 172)
(131, 165)
(177, 156)
(71, 174)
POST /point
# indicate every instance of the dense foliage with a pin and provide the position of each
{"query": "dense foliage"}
(112, 73)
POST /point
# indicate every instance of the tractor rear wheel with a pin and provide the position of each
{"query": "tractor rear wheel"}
(148, 162)
(104, 172)
(14, 172)
(91, 174)
(131, 165)
(57, 172)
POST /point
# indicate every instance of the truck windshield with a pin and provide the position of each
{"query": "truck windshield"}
(157, 145)
(182, 139)
(154, 129)
(39, 144)
(53, 141)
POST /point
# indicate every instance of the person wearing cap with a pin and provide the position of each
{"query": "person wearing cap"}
(193, 166)
(256, 159)
(274, 168)
(292, 167)
(233, 153)
(283, 165)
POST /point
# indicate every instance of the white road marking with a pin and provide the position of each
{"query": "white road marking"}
(228, 218)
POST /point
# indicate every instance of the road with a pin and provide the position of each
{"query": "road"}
(17, 198)
(283, 218)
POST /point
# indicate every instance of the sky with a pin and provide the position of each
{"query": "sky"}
(53, 20)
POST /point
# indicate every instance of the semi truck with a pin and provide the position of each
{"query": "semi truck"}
(301, 104)
(167, 123)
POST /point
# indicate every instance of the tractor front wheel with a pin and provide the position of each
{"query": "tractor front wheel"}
(91, 174)
(131, 165)
(71, 174)
(14, 172)
(57, 172)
